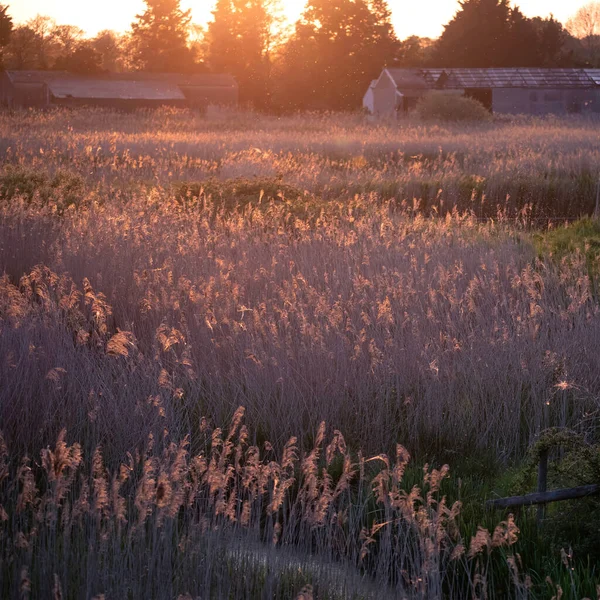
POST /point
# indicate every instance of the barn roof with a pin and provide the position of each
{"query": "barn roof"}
(409, 78)
(510, 78)
(118, 90)
(181, 79)
(35, 76)
(211, 80)
(594, 74)
(495, 78)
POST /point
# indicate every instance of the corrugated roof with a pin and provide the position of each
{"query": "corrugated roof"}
(35, 76)
(198, 79)
(511, 78)
(496, 78)
(594, 74)
(410, 78)
(181, 79)
(117, 90)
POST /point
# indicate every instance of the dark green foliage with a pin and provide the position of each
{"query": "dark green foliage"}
(573, 462)
(160, 37)
(63, 188)
(84, 60)
(109, 46)
(337, 48)
(416, 51)
(21, 51)
(582, 236)
(6, 27)
(492, 33)
(451, 107)
(240, 40)
(236, 194)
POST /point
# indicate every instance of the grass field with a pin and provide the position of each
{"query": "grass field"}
(184, 302)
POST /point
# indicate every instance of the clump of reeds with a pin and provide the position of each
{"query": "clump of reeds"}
(165, 522)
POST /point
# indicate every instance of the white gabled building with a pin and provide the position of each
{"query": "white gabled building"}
(396, 90)
(369, 98)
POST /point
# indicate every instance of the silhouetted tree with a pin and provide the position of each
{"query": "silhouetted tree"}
(241, 38)
(6, 27)
(111, 49)
(585, 26)
(67, 38)
(160, 37)
(491, 33)
(83, 59)
(45, 43)
(197, 43)
(337, 48)
(20, 53)
(552, 43)
(416, 51)
(33, 45)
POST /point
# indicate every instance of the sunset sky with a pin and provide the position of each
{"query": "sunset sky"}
(421, 17)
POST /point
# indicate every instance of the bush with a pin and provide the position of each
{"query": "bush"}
(62, 189)
(445, 107)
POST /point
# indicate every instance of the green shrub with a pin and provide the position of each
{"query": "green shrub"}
(583, 235)
(573, 462)
(451, 107)
(580, 237)
(236, 194)
(62, 189)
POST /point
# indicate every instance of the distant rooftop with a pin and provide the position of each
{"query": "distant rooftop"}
(496, 78)
(178, 79)
(35, 76)
(113, 90)
(198, 79)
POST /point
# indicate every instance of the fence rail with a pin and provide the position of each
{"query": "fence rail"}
(542, 497)
(545, 497)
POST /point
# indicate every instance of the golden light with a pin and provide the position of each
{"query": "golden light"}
(423, 18)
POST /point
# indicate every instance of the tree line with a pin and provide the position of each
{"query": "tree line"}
(325, 61)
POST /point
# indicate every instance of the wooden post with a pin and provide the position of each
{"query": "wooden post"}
(542, 483)
(597, 209)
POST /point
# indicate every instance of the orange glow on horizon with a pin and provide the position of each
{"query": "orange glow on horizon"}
(423, 18)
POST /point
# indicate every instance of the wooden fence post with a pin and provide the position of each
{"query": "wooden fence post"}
(542, 483)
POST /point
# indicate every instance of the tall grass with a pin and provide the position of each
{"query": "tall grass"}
(231, 522)
(547, 166)
(447, 334)
(160, 271)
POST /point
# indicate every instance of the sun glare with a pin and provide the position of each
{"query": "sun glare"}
(424, 18)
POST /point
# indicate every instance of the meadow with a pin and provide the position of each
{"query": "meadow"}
(238, 354)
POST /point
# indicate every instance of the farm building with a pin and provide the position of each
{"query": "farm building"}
(200, 91)
(22, 89)
(504, 91)
(369, 98)
(25, 88)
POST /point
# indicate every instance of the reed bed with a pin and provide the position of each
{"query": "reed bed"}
(446, 334)
(549, 167)
(231, 522)
(160, 271)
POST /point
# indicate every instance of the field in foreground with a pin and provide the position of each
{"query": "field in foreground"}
(161, 271)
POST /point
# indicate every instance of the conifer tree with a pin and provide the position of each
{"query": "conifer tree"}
(160, 37)
(491, 33)
(337, 48)
(241, 38)
(6, 27)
